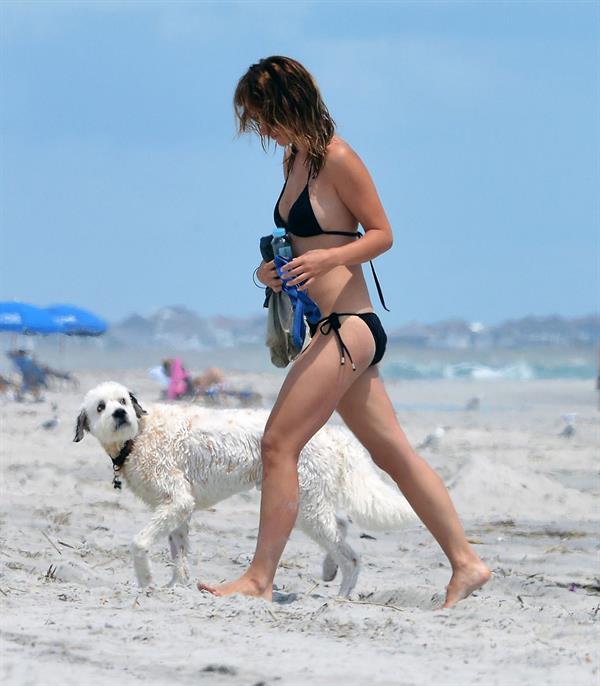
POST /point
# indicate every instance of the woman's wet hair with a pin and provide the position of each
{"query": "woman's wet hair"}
(279, 93)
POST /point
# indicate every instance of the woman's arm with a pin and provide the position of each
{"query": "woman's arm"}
(357, 191)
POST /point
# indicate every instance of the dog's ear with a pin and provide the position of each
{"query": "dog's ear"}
(81, 426)
(139, 410)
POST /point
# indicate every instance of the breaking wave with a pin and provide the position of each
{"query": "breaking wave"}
(519, 370)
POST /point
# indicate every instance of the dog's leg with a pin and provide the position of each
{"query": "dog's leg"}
(179, 544)
(330, 566)
(166, 518)
(329, 531)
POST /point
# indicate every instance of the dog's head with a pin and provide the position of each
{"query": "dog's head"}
(110, 413)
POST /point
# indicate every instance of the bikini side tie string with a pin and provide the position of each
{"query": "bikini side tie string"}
(332, 323)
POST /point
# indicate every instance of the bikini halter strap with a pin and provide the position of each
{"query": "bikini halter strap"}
(377, 284)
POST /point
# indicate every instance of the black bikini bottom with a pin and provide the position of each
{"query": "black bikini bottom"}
(332, 323)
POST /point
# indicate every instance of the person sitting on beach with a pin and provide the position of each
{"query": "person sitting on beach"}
(178, 383)
(211, 380)
(327, 193)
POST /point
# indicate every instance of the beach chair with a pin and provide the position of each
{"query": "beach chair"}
(56, 377)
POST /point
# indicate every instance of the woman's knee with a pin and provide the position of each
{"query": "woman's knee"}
(275, 449)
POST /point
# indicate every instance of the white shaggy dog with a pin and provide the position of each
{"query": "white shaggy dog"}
(179, 459)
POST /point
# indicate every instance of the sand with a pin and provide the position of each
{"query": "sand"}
(72, 613)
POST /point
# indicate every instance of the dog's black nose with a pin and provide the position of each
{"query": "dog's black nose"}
(120, 413)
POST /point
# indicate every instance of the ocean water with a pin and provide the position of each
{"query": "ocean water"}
(517, 364)
(521, 369)
(400, 363)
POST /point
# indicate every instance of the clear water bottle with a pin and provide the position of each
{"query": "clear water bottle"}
(281, 244)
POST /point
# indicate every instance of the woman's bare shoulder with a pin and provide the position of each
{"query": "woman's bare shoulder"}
(339, 150)
(342, 158)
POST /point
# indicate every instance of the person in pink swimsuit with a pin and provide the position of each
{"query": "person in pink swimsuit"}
(178, 380)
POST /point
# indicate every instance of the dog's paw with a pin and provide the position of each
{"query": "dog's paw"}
(143, 574)
(141, 564)
(330, 568)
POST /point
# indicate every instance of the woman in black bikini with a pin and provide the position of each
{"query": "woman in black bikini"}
(327, 193)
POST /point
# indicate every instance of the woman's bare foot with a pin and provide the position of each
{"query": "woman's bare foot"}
(464, 581)
(245, 585)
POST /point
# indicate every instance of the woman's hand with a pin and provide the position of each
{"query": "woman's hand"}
(307, 267)
(267, 275)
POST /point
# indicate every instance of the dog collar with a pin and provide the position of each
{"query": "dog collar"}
(119, 461)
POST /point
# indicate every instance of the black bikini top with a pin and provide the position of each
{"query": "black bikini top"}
(301, 218)
(302, 222)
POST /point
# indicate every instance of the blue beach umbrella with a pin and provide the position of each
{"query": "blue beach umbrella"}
(21, 317)
(75, 321)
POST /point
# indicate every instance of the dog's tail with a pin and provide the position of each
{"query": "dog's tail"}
(372, 503)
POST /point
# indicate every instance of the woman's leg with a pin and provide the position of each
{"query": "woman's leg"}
(307, 399)
(369, 414)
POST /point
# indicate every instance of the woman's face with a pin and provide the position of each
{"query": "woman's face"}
(280, 136)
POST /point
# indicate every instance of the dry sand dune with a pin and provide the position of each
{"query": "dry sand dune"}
(72, 614)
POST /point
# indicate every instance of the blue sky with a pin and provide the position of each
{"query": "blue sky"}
(123, 187)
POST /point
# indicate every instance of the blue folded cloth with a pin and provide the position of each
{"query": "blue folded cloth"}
(302, 304)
